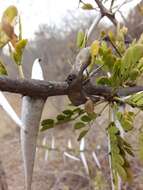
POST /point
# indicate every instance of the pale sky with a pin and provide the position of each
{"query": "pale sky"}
(36, 12)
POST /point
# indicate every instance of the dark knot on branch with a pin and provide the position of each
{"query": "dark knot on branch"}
(76, 93)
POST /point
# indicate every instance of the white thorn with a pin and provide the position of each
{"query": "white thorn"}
(46, 155)
(69, 144)
(83, 158)
(44, 141)
(53, 143)
(71, 156)
(10, 111)
(82, 144)
(37, 72)
(96, 160)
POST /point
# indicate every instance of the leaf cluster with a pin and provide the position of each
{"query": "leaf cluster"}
(121, 62)
(136, 100)
(8, 36)
(77, 115)
(119, 150)
(126, 119)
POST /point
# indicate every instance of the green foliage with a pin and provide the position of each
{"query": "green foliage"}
(7, 26)
(79, 116)
(79, 125)
(136, 100)
(47, 124)
(9, 14)
(126, 119)
(125, 64)
(18, 52)
(94, 48)
(86, 118)
(87, 6)
(8, 37)
(82, 134)
(66, 116)
(81, 39)
(3, 70)
(119, 150)
(130, 60)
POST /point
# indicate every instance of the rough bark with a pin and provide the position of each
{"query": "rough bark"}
(3, 182)
(44, 89)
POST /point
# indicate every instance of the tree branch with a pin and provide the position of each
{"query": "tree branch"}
(34, 88)
(106, 12)
(44, 89)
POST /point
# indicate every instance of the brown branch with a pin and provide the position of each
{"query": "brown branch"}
(35, 88)
(106, 12)
(129, 90)
(44, 89)
(111, 5)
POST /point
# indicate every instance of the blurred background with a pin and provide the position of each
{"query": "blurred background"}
(51, 28)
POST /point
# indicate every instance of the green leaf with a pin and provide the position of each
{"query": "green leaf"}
(103, 81)
(94, 48)
(127, 125)
(82, 134)
(3, 70)
(20, 45)
(8, 22)
(129, 151)
(79, 111)
(86, 118)
(136, 100)
(111, 36)
(108, 57)
(68, 112)
(79, 125)
(92, 115)
(61, 117)
(112, 129)
(122, 172)
(130, 60)
(119, 159)
(87, 6)
(116, 78)
(115, 148)
(126, 120)
(47, 124)
(4, 39)
(18, 53)
(113, 139)
(134, 74)
(17, 57)
(80, 39)
(9, 14)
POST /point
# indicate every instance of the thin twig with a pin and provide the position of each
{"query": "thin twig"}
(122, 4)
(94, 25)
(123, 17)
(106, 12)
(94, 72)
(114, 46)
(111, 5)
(104, 107)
